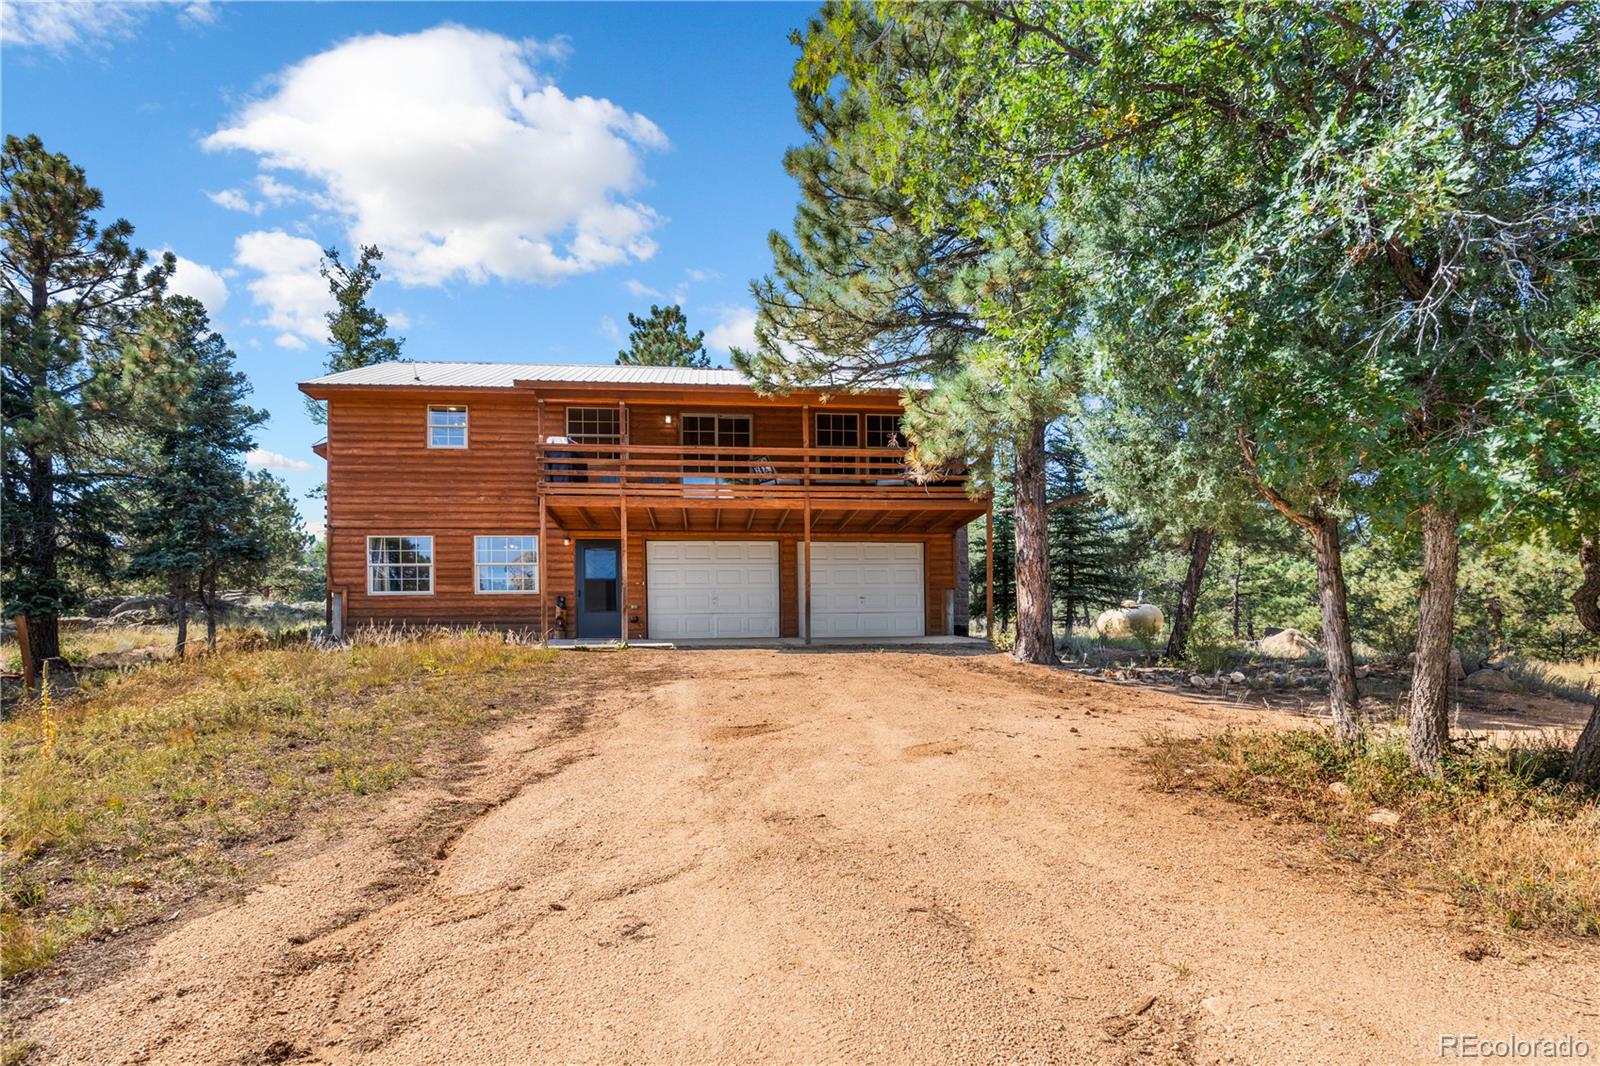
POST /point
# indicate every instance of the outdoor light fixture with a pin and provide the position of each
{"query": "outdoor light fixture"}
(669, 420)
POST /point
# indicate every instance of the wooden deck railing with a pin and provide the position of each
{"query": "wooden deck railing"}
(777, 474)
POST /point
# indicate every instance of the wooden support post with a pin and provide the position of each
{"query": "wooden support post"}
(805, 573)
(988, 574)
(30, 665)
(544, 590)
(622, 509)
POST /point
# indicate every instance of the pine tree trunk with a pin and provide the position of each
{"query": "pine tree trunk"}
(211, 612)
(180, 595)
(44, 628)
(1200, 544)
(1031, 525)
(1428, 718)
(1585, 765)
(1238, 569)
(1344, 700)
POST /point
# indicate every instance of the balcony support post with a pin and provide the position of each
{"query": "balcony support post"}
(622, 511)
(988, 568)
(805, 564)
(544, 590)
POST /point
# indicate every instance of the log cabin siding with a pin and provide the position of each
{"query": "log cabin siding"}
(383, 479)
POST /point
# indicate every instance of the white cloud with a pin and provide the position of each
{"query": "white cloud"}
(290, 341)
(448, 150)
(735, 327)
(59, 25)
(398, 319)
(641, 290)
(56, 27)
(609, 328)
(703, 275)
(261, 459)
(278, 193)
(234, 200)
(201, 282)
(288, 285)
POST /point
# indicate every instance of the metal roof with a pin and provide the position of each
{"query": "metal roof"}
(504, 375)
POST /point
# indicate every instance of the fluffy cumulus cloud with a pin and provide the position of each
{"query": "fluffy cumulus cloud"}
(448, 149)
(287, 285)
(261, 459)
(201, 282)
(735, 328)
(234, 200)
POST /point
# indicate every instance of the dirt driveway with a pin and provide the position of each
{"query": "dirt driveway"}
(747, 856)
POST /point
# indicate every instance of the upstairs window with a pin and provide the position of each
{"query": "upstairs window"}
(837, 431)
(883, 431)
(594, 425)
(400, 566)
(447, 427)
(507, 564)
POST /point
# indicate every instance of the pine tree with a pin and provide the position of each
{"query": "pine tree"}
(68, 291)
(1089, 549)
(358, 334)
(195, 519)
(662, 339)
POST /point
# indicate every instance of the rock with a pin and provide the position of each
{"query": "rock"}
(1288, 644)
(1277, 677)
(1339, 788)
(1497, 680)
(1383, 816)
(1199, 681)
(1123, 621)
(1363, 672)
(1237, 677)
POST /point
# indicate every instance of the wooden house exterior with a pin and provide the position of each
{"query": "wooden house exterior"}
(647, 502)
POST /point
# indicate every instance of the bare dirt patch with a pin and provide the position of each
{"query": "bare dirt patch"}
(636, 890)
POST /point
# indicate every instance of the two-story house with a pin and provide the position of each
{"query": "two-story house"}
(657, 502)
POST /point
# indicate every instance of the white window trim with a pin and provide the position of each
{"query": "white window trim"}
(538, 560)
(566, 422)
(432, 577)
(466, 430)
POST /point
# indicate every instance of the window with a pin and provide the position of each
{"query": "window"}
(594, 425)
(883, 431)
(447, 427)
(400, 566)
(507, 564)
(716, 431)
(837, 431)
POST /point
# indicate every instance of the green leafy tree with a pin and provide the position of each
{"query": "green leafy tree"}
(358, 334)
(196, 515)
(69, 290)
(662, 338)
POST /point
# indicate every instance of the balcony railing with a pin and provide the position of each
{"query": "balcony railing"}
(695, 473)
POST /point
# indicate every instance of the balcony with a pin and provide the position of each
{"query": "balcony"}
(781, 475)
(765, 488)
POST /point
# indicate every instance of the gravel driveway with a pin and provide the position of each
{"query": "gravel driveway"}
(792, 856)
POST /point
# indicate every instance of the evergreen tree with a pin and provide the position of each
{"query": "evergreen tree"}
(1089, 546)
(69, 290)
(358, 334)
(195, 519)
(662, 339)
(870, 291)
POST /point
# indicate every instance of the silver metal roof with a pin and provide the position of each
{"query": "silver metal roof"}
(504, 375)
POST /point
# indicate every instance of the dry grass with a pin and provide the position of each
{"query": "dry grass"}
(1501, 833)
(1577, 680)
(143, 784)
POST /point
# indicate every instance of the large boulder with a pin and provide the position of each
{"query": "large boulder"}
(1120, 621)
(1288, 644)
(1497, 680)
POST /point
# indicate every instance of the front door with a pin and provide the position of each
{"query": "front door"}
(599, 590)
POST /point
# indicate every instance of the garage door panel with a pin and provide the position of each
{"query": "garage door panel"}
(867, 590)
(701, 589)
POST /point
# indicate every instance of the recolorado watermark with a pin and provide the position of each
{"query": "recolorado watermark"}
(1511, 1046)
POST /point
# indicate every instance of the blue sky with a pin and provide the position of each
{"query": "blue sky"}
(533, 171)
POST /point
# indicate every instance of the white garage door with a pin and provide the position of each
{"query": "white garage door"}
(866, 590)
(711, 588)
